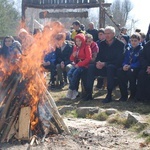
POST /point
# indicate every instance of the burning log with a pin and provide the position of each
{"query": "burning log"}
(5, 110)
(52, 105)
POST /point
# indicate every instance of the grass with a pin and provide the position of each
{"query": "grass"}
(117, 120)
(139, 107)
(71, 114)
(101, 116)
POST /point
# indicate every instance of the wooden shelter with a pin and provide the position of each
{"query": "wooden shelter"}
(66, 4)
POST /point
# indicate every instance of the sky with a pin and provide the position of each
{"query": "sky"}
(140, 12)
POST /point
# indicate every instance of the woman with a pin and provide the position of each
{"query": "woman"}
(11, 49)
(6, 47)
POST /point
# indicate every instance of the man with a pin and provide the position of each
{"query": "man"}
(143, 85)
(63, 52)
(93, 31)
(108, 60)
(148, 34)
(76, 29)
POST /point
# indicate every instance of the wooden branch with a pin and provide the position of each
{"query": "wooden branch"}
(4, 91)
(54, 109)
(13, 117)
(12, 130)
(6, 108)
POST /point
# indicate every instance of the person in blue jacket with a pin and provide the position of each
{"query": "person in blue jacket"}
(130, 68)
(49, 64)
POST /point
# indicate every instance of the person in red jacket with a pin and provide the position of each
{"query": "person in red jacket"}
(80, 57)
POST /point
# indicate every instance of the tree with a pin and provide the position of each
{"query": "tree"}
(9, 18)
(120, 12)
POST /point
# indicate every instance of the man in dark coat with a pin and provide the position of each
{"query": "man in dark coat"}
(143, 86)
(148, 34)
(108, 60)
(94, 32)
(63, 52)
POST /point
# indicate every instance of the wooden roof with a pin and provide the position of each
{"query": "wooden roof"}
(60, 4)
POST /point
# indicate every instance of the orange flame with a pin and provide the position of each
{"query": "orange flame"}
(30, 66)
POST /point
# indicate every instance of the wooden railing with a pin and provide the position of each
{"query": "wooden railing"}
(43, 2)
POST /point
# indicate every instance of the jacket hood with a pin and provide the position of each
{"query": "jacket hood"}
(22, 30)
(81, 37)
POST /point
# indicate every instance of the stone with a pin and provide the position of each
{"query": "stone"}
(135, 118)
(84, 111)
(124, 115)
(66, 108)
(101, 110)
(146, 132)
(111, 111)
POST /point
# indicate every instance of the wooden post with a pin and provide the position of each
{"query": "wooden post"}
(101, 15)
(23, 13)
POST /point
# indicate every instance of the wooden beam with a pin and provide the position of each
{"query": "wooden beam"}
(62, 6)
(106, 4)
(47, 14)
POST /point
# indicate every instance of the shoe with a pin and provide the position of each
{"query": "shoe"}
(69, 94)
(131, 98)
(74, 94)
(96, 88)
(123, 99)
(88, 97)
(65, 82)
(61, 85)
(107, 99)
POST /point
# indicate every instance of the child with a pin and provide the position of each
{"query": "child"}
(80, 58)
(93, 45)
(130, 68)
(49, 64)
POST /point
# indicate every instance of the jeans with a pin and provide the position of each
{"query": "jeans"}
(62, 73)
(74, 75)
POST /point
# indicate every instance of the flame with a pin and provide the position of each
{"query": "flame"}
(30, 65)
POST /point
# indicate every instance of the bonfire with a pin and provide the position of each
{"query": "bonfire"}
(27, 110)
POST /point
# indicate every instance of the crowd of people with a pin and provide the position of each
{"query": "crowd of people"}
(90, 55)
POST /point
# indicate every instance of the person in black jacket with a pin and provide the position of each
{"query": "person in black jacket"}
(143, 85)
(94, 32)
(63, 52)
(108, 60)
(148, 34)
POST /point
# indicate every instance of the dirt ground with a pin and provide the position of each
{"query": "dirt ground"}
(87, 134)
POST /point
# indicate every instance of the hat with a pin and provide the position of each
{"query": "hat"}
(77, 22)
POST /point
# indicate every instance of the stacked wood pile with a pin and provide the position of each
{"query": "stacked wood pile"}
(15, 112)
